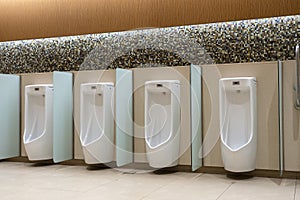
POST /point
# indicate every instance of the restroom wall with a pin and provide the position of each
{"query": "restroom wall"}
(140, 76)
(266, 74)
(49, 18)
(258, 40)
(31, 79)
(291, 118)
(95, 76)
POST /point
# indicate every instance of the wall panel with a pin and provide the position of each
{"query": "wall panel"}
(266, 74)
(49, 18)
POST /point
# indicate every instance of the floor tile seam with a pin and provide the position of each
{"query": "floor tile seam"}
(101, 185)
(157, 188)
(154, 190)
(117, 178)
(199, 175)
(189, 179)
(72, 190)
(295, 189)
(162, 186)
(55, 189)
(225, 190)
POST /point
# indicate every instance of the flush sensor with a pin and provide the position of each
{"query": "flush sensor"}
(235, 83)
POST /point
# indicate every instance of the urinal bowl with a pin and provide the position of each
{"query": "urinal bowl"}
(99, 151)
(38, 134)
(41, 149)
(96, 122)
(165, 155)
(243, 160)
(162, 122)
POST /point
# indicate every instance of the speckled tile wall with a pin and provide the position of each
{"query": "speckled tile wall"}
(229, 42)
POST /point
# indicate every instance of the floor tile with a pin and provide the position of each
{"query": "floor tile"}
(30, 181)
(261, 189)
(135, 186)
(297, 190)
(206, 187)
(37, 194)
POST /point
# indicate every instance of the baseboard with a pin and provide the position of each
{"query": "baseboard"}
(179, 168)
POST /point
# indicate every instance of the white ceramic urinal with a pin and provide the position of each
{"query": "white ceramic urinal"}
(97, 122)
(38, 135)
(162, 122)
(238, 119)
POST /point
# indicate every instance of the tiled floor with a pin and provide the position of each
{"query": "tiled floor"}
(24, 181)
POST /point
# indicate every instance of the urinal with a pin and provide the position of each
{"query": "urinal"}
(38, 134)
(162, 122)
(97, 122)
(238, 123)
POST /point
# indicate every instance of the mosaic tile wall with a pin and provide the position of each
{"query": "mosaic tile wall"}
(230, 42)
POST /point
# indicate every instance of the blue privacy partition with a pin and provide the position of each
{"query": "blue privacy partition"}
(9, 116)
(124, 120)
(196, 113)
(62, 116)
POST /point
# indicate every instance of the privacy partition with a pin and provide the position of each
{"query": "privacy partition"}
(196, 116)
(124, 117)
(62, 116)
(9, 116)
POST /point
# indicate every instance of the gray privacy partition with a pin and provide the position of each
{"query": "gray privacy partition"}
(62, 116)
(123, 118)
(196, 117)
(9, 116)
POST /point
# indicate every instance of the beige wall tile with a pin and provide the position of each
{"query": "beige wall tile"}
(267, 107)
(291, 118)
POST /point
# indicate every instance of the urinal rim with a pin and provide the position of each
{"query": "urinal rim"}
(45, 129)
(92, 142)
(39, 85)
(250, 78)
(97, 83)
(241, 147)
(157, 146)
(171, 82)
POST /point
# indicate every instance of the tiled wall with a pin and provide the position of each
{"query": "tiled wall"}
(229, 42)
